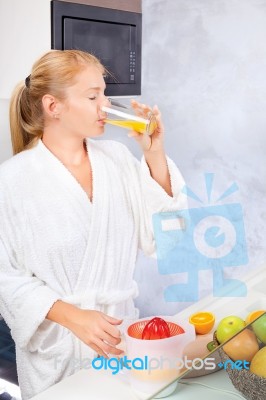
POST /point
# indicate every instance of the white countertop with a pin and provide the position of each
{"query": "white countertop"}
(102, 385)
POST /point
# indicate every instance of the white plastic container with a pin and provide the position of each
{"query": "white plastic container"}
(163, 358)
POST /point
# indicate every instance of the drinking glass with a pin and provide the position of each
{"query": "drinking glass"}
(129, 120)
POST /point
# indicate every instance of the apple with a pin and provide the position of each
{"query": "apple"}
(259, 327)
(228, 327)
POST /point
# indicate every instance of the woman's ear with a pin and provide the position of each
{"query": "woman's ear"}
(51, 106)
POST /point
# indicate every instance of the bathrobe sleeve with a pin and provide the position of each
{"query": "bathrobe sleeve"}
(155, 196)
(156, 200)
(147, 197)
(24, 299)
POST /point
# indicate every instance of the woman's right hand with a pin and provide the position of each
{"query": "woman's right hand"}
(97, 330)
(94, 328)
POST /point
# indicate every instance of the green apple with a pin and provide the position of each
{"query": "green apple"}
(228, 327)
(259, 328)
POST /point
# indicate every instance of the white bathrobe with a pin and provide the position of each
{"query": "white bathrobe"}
(56, 244)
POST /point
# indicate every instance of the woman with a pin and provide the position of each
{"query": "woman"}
(74, 212)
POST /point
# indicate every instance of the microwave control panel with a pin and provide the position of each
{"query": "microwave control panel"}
(132, 65)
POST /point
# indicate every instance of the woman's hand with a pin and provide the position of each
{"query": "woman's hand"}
(152, 147)
(154, 142)
(97, 330)
(94, 328)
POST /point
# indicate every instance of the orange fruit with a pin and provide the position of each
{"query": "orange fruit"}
(258, 363)
(203, 322)
(254, 315)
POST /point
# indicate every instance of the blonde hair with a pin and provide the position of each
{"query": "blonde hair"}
(51, 74)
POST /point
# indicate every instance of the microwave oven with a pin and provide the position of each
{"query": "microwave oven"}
(113, 36)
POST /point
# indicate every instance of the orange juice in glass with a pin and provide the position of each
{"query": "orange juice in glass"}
(129, 121)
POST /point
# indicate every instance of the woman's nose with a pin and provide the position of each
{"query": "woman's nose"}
(106, 102)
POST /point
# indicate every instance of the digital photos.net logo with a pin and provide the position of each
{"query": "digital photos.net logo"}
(146, 363)
(150, 364)
(209, 237)
(238, 364)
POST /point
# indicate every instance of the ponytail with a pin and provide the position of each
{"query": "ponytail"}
(23, 135)
(51, 74)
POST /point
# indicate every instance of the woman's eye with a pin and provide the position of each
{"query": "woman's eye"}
(92, 98)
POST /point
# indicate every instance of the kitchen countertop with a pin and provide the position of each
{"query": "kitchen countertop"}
(102, 385)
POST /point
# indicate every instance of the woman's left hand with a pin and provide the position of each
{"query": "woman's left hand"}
(148, 143)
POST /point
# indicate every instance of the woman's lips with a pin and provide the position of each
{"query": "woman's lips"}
(101, 121)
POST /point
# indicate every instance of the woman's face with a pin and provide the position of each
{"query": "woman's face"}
(80, 113)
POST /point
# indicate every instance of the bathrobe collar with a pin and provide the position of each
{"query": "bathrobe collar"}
(65, 175)
(96, 213)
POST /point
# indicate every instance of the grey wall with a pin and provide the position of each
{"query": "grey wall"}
(204, 64)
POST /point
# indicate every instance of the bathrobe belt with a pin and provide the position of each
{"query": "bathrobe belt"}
(100, 297)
